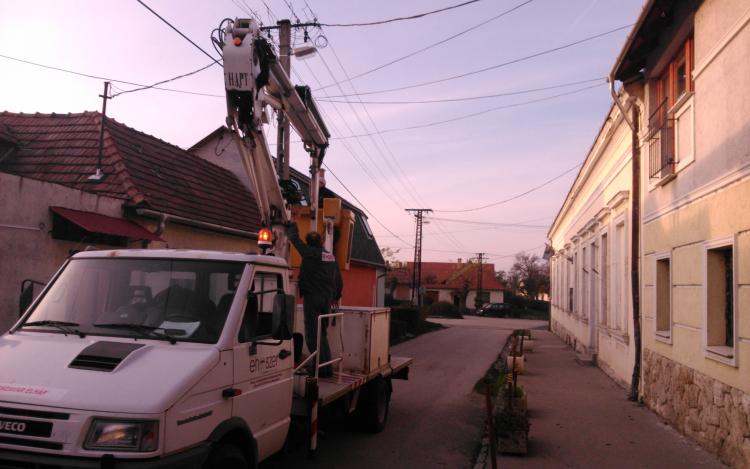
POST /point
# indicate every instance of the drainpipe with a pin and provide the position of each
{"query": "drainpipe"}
(163, 219)
(635, 237)
(198, 224)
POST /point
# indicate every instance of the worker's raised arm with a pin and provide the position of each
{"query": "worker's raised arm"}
(293, 234)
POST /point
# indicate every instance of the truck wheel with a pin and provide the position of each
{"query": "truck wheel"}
(225, 456)
(375, 414)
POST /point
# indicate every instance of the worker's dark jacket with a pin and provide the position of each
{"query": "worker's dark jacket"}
(319, 274)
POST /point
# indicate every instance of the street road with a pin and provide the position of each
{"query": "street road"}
(435, 420)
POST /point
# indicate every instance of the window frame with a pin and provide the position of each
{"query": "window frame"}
(722, 354)
(663, 335)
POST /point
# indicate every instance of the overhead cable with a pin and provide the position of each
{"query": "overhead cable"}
(489, 68)
(349, 79)
(421, 15)
(111, 79)
(179, 32)
(165, 81)
(512, 93)
(512, 198)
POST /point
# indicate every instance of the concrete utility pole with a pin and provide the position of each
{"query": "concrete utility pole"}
(98, 175)
(282, 152)
(416, 281)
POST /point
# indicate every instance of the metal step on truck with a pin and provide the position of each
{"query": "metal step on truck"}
(178, 359)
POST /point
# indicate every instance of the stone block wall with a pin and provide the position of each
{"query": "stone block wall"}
(715, 415)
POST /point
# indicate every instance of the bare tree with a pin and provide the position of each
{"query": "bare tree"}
(529, 276)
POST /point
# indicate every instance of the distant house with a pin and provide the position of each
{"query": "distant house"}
(153, 194)
(448, 281)
(399, 283)
(364, 282)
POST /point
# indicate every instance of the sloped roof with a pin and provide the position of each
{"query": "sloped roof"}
(7, 135)
(140, 169)
(401, 273)
(443, 270)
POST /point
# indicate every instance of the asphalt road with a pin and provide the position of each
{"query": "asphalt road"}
(435, 420)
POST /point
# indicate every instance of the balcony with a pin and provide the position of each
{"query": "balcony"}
(661, 152)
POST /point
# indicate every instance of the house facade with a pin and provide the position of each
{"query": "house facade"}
(450, 281)
(365, 281)
(399, 283)
(152, 195)
(590, 280)
(691, 62)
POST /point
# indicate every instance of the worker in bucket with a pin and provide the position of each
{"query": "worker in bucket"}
(320, 286)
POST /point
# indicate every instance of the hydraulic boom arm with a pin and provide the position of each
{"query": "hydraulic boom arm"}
(254, 78)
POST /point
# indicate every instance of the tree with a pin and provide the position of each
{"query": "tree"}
(529, 276)
(389, 255)
(464, 280)
(500, 277)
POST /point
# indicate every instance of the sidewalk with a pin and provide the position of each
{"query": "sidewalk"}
(581, 419)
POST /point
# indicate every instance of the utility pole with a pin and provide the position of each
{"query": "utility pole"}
(282, 154)
(98, 175)
(416, 281)
(479, 281)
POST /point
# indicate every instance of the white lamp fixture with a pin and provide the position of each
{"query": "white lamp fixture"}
(304, 52)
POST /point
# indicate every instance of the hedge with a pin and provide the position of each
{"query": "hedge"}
(410, 316)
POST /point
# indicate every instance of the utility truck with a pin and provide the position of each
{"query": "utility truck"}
(194, 359)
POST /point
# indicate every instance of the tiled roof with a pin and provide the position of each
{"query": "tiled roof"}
(7, 135)
(141, 169)
(401, 273)
(443, 270)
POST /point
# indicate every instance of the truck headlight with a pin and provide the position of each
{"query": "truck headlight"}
(112, 435)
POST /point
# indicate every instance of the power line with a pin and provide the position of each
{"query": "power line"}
(108, 79)
(494, 66)
(178, 32)
(479, 113)
(361, 204)
(165, 81)
(432, 45)
(512, 93)
(512, 198)
(421, 15)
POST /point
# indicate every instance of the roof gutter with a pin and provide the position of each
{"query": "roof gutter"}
(164, 218)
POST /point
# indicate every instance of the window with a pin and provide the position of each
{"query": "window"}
(670, 127)
(719, 293)
(126, 297)
(593, 274)
(576, 302)
(258, 316)
(366, 225)
(619, 269)
(663, 297)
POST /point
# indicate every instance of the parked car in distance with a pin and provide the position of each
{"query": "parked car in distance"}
(494, 309)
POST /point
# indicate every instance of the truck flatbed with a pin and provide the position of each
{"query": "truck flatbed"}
(329, 389)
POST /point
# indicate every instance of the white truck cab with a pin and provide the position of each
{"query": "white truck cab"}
(166, 358)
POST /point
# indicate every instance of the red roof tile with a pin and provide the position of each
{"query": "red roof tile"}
(141, 169)
(441, 271)
(401, 273)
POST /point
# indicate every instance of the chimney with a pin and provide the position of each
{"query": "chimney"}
(459, 262)
(321, 178)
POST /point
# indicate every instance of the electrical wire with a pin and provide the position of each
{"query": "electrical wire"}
(363, 205)
(512, 198)
(108, 79)
(165, 81)
(421, 15)
(178, 32)
(463, 75)
(480, 113)
(437, 43)
(512, 93)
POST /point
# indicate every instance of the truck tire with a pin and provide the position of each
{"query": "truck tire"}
(374, 414)
(225, 456)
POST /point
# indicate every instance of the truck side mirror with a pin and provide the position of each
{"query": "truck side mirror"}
(24, 301)
(283, 316)
(27, 295)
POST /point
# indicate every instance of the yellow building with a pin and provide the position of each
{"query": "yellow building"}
(590, 271)
(686, 66)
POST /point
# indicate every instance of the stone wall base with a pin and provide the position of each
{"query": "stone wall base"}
(715, 415)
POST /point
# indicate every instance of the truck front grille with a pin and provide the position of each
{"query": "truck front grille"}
(39, 414)
(30, 443)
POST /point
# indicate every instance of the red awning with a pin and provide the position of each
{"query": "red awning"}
(97, 223)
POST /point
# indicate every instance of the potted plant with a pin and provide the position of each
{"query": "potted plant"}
(520, 402)
(518, 362)
(512, 431)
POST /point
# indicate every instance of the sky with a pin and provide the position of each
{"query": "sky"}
(390, 150)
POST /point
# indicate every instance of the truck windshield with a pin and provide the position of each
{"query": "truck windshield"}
(180, 300)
